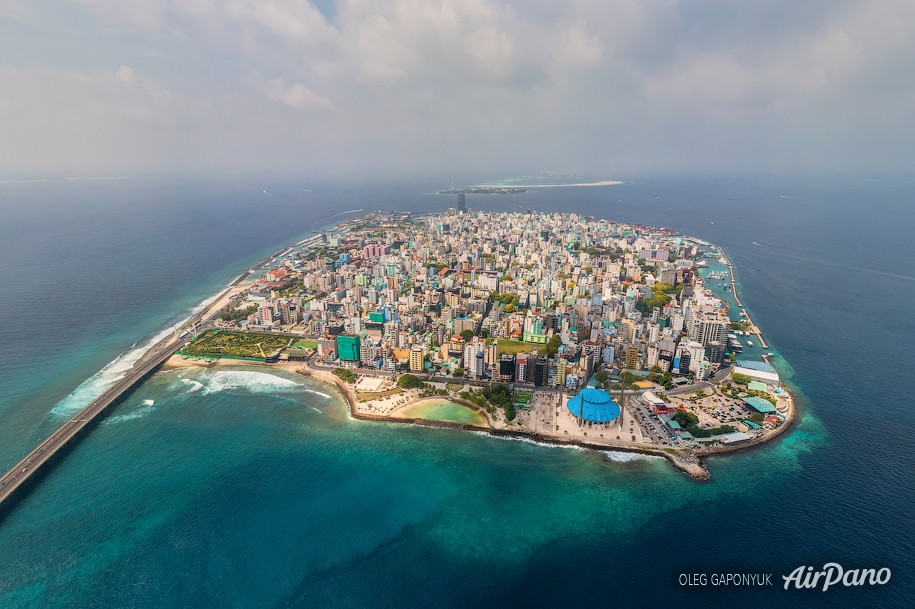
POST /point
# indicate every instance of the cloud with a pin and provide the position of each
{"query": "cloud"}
(296, 95)
(418, 85)
(14, 9)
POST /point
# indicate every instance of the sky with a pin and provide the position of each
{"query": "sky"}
(599, 88)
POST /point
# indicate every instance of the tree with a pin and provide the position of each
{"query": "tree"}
(466, 335)
(458, 371)
(484, 333)
(628, 378)
(500, 395)
(551, 347)
(409, 381)
(756, 417)
(345, 375)
(740, 379)
(685, 419)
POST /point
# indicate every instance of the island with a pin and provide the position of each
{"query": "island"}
(555, 327)
(551, 327)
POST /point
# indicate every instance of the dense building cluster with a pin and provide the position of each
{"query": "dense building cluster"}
(545, 299)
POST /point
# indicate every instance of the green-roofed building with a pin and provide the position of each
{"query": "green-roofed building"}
(760, 405)
(348, 348)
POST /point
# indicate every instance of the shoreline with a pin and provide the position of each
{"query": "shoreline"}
(689, 462)
(695, 469)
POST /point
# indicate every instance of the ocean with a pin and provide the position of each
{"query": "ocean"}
(246, 487)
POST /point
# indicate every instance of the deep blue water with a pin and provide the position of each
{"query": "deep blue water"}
(243, 488)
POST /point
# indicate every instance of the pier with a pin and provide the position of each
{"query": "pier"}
(753, 327)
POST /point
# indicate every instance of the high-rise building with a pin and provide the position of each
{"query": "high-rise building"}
(462, 203)
(348, 348)
(561, 369)
(707, 328)
(632, 357)
(540, 372)
(714, 352)
(521, 369)
(416, 358)
(479, 365)
(507, 368)
(472, 363)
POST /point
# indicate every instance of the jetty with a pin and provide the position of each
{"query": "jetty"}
(753, 327)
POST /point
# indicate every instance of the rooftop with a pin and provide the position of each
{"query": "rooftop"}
(760, 404)
(594, 405)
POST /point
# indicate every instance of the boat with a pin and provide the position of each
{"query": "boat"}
(749, 343)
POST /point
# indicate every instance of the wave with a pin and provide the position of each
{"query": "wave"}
(99, 382)
(348, 211)
(255, 382)
(321, 393)
(192, 384)
(528, 441)
(117, 368)
(139, 413)
(618, 456)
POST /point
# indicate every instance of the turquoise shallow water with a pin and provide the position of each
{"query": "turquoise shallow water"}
(443, 410)
(196, 485)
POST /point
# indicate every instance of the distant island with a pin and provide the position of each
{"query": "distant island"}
(505, 189)
(484, 190)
